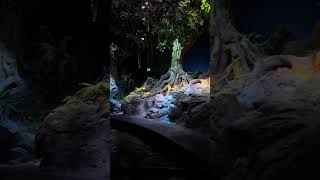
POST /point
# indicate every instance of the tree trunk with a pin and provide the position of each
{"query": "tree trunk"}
(176, 77)
(232, 54)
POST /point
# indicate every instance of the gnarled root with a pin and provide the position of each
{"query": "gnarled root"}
(173, 79)
(238, 60)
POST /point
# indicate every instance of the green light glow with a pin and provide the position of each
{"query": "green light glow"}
(148, 69)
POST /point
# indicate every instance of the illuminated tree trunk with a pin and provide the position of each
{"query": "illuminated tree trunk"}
(232, 54)
(176, 77)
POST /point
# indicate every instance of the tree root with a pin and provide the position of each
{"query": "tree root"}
(233, 60)
(233, 54)
(172, 80)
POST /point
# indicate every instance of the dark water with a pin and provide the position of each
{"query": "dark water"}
(135, 158)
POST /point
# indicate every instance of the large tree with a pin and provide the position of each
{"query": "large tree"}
(172, 25)
(176, 25)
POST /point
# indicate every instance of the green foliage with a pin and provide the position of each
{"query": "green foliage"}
(140, 90)
(205, 6)
(88, 93)
(163, 21)
(137, 92)
(175, 19)
(162, 45)
(191, 15)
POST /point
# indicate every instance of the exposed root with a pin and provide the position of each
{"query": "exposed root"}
(233, 55)
(172, 80)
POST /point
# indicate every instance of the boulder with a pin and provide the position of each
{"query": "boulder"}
(73, 139)
(162, 107)
(191, 111)
(276, 141)
(224, 109)
(276, 78)
(159, 106)
(267, 126)
(135, 107)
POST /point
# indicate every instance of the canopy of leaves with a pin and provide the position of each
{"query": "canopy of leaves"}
(164, 21)
(174, 19)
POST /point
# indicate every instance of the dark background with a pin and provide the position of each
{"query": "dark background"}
(262, 15)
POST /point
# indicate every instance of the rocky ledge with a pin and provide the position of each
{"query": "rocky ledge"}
(74, 138)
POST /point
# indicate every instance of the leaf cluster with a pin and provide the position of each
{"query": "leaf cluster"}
(175, 19)
(162, 20)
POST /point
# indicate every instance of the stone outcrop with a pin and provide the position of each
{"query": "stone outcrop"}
(13, 88)
(169, 107)
(276, 141)
(265, 126)
(190, 111)
(16, 141)
(115, 106)
(73, 139)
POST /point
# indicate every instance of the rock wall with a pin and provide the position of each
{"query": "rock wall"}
(13, 93)
(115, 104)
(265, 125)
(13, 88)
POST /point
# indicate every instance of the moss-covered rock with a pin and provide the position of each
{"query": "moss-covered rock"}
(74, 136)
(137, 93)
(89, 94)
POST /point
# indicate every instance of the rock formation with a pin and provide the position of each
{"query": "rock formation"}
(74, 138)
(141, 103)
(264, 126)
(13, 97)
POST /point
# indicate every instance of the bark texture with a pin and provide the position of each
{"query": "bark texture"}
(232, 54)
(176, 77)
